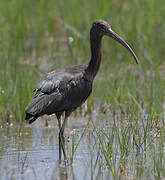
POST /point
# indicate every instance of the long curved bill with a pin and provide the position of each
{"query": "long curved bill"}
(113, 35)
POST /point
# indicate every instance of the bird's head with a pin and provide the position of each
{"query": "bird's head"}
(101, 28)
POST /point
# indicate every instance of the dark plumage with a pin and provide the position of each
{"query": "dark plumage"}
(66, 89)
(61, 90)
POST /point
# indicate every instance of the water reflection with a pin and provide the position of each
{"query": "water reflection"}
(32, 152)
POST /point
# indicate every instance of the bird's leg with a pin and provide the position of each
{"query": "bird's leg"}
(59, 120)
(61, 133)
(58, 115)
(46, 121)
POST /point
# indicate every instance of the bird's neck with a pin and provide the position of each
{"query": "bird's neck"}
(94, 64)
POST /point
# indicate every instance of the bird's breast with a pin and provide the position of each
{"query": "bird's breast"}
(76, 92)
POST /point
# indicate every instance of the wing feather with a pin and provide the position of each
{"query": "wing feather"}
(57, 91)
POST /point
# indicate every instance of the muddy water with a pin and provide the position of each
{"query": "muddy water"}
(32, 153)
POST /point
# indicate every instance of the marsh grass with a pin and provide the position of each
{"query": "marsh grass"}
(132, 148)
(73, 143)
(33, 32)
(36, 37)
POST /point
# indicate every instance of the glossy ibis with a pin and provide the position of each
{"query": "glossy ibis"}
(66, 89)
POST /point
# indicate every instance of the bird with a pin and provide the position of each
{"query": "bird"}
(64, 90)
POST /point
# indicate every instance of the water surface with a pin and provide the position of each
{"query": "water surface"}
(31, 152)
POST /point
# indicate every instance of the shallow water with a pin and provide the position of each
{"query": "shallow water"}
(32, 153)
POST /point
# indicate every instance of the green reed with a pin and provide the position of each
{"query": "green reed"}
(35, 38)
(32, 32)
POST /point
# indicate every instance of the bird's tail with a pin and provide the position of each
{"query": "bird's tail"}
(37, 107)
(30, 118)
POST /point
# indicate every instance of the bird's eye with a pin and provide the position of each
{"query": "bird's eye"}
(102, 28)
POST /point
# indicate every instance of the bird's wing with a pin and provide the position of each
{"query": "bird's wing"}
(59, 79)
(56, 91)
(52, 82)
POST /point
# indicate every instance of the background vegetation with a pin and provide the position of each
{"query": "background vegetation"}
(39, 36)
(36, 37)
